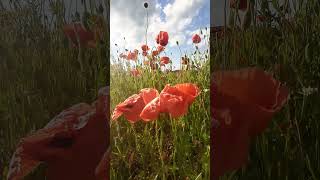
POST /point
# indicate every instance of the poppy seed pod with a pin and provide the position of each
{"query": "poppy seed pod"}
(145, 5)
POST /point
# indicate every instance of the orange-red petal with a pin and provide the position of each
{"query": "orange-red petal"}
(148, 94)
(130, 108)
(243, 103)
(190, 90)
(152, 110)
(174, 101)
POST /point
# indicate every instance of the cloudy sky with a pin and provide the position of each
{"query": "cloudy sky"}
(180, 18)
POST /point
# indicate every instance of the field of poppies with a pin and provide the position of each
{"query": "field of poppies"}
(41, 73)
(160, 127)
(277, 40)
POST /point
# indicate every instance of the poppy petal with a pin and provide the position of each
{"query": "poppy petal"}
(173, 101)
(148, 94)
(243, 103)
(130, 108)
(190, 90)
(152, 110)
(21, 164)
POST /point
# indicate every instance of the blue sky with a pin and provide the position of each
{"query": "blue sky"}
(180, 18)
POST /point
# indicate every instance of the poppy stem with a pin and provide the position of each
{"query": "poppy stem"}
(147, 25)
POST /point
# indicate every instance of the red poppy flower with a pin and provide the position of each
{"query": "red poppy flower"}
(164, 60)
(76, 30)
(132, 107)
(151, 111)
(145, 48)
(241, 6)
(148, 94)
(162, 38)
(76, 135)
(160, 48)
(155, 53)
(196, 39)
(132, 56)
(243, 103)
(174, 100)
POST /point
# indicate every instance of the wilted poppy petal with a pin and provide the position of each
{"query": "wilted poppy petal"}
(148, 94)
(152, 110)
(130, 108)
(243, 103)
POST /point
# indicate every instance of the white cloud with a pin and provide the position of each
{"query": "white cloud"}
(128, 19)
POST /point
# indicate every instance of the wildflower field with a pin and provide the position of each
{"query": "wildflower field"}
(163, 147)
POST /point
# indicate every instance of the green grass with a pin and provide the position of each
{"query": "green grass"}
(165, 148)
(291, 153)
(40, 77)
